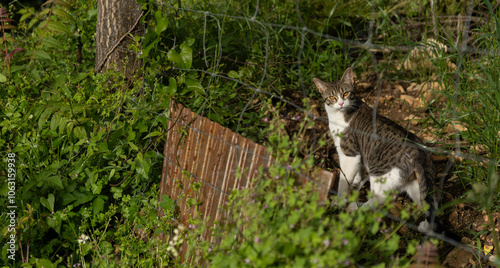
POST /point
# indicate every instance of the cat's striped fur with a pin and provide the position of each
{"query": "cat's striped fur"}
(374, 146)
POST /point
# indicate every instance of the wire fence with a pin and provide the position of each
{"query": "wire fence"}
(197, 158)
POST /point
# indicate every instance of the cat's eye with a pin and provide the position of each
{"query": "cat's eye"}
(347, 94)
(333, 98)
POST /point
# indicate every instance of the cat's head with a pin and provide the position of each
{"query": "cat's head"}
(340, 94)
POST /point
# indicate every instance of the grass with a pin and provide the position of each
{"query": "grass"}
(74, 137)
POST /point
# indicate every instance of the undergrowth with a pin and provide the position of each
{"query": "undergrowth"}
(87, 167)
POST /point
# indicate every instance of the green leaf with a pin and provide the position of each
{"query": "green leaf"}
(174, 57)
(63, 14)
(112, 173)
(79, 77)
(194, 85)
(98, 205)
(41, 55)
(45, 263)
(145, 51)
(187, 55)
(167, 203)
(184, 59)
(233, 74)
(172, 86)
(133, 146)
(44, 117)
(36, 74)
(153, 134)
(54, 181)
(161, 22)
(82, 198)
(106, 247)
(3, 79)
(54, 122)
(56, 26)
(80, 133)
(48, 202)
(51, 42)
(96, 187)
(54, 224)
(189, 41)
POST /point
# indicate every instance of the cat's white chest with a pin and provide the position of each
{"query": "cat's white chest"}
(336, 123)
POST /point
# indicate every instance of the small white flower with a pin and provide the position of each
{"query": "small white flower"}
(83, 239)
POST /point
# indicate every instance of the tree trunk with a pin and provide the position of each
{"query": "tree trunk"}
(117, 22)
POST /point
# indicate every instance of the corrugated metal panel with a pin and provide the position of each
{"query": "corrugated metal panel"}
(198, 150)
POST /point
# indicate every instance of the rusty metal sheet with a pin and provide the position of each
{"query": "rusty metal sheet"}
(198, 150)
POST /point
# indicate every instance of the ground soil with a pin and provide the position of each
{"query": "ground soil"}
(408, 105)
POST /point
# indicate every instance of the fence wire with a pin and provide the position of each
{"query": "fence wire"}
(218, 21)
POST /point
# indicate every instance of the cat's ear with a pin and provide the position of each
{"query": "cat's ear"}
(347, 77)
(320, 85)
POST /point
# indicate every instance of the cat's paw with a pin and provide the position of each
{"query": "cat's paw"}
(425, 227)
(335, 202)
(354, 206)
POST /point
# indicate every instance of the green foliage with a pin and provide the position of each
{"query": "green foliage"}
(87, 177)
(280, 223)
(83, 167)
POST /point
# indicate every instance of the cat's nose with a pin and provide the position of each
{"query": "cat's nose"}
(341, 103)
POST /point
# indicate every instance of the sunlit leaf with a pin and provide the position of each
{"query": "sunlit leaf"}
(48, 202)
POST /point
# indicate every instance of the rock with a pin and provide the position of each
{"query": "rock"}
(453, 217)
(408, 99)
(480, 149)
(439, 158)
(415, 103)
(419, 58)
(428, 137)
(455, 126)
(459, 258)
(399, 88)
(411, 86)
(431, 91)
(386, 85)
(385, 99)
(412, 101)
(414, 120)
(429, 96)
(465, 240)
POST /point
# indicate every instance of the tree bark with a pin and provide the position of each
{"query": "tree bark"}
(117, 22)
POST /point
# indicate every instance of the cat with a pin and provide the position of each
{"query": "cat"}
(369, 143)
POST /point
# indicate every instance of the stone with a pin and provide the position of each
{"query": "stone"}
(411, 86)
(408, 99)
(459, 258)
(399, 88)
(456, 126)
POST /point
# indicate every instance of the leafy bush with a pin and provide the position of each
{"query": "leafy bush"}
(86, 144)
(279, 223)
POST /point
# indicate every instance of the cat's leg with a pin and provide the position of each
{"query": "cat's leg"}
(360, 179)
(414, 191)
(379, 185)
(349, 168)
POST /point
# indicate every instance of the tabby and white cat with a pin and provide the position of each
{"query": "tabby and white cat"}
(388, 153)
